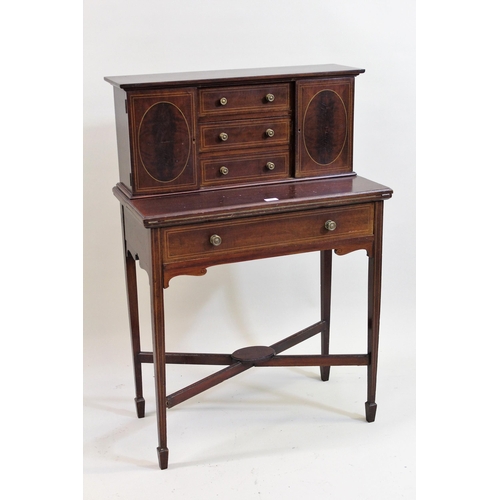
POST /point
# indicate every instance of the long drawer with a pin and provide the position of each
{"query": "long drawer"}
(253, 236)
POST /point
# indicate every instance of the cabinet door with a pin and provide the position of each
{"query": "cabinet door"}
(162, 141)
(324, 127)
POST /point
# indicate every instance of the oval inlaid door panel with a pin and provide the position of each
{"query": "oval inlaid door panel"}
(164, 141)
(325, 127)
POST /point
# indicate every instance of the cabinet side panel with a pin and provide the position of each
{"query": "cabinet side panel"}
(122, 135)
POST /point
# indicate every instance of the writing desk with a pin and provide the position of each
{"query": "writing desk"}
(224, 167)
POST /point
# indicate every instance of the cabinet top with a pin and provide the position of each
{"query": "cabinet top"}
(203, 206)
(132, 82)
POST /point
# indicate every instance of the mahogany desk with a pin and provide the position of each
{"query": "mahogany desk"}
(230, 166)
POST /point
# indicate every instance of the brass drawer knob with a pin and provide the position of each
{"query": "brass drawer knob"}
(223, 136)
(270, 97)
(215, 240)
(270, 165)
(223, 101)
(330, 225)
(269, 132)
(224, 170)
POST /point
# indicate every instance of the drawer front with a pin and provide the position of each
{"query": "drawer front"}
(239, 134)
(247, 168)
(251, 99)
(264, 235)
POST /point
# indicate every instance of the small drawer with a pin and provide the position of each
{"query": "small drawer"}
(247, 168)
(249, 238)
(248, 133)
(249, 99)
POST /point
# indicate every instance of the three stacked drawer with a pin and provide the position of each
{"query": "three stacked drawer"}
(244, 133)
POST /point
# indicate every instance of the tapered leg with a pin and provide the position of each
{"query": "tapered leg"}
(326, 299)
(374, 293)
(133, 308)
(158, 327)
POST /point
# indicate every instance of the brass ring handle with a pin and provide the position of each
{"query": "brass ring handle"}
(224, 170)
(270, 97)
(330, 225)
(223, 101)
(215, 240)
(223, 136)
(270, 165)
(269, 132)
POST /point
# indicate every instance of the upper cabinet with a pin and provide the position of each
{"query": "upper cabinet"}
(220, 129)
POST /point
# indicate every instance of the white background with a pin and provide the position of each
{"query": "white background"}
(457, 158)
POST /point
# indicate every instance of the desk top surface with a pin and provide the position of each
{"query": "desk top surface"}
(209, 205)
(132, 82)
